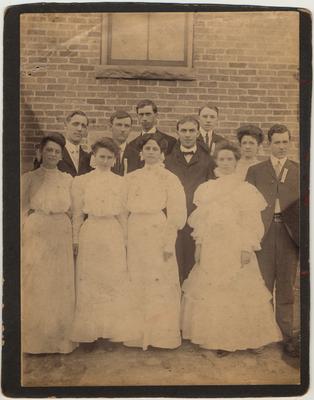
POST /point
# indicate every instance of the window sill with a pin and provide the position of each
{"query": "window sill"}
(145, 72)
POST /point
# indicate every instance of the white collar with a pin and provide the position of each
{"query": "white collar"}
(122, 147)
(185, 149)
(152, 130)
(71, 147)
(203, 133)
(274, 160)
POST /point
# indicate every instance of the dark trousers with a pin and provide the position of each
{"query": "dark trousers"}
(185, 249)
(278, 261)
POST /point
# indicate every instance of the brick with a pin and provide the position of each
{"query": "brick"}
(68, 67)
(247, 72)
(95, 101)
(238, 65)
(223, 55)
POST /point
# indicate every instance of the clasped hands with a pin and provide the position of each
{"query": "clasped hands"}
(245, 255)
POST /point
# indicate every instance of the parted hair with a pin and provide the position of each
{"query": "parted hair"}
(76, 112)
(105, 143)
(162, 143)
(250, 130)
(211, 107)
(55, 137)
(120, 115)
(277, 128)
(188, 118)
(144, 103)
(226, 145)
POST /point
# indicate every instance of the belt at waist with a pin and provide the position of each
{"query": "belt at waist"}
(277, 217)
(31, 211)
(95, 217)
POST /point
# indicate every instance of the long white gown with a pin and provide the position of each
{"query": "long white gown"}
(103, 305)
(225, 305)
(47, 268)
(151, 190)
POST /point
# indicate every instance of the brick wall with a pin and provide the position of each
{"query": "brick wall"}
(245, 63)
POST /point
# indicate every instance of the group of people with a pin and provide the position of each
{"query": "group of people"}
(159, 238)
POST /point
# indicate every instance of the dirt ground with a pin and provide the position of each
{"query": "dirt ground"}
(114, 364)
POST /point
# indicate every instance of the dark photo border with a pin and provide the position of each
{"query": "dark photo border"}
(11, 365)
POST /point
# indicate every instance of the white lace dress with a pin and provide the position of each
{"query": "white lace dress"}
(150, 232)
(225, 305)
(103, 305)
(47, 268)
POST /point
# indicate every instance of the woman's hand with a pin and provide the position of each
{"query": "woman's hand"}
(167, 255)
(75, 249)
(197, 254)
(245, 257)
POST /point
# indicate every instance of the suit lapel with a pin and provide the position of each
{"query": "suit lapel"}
(270, 169)
(202, 143)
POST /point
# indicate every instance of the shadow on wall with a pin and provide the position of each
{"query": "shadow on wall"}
(30, 136)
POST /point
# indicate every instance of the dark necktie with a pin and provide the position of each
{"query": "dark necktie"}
(188, 153)
(118, 165)
(207, 139)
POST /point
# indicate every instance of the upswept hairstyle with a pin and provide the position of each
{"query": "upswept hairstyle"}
(55, 137)
(105, 143)
(162, 143)
(250, 130)
(226, 145)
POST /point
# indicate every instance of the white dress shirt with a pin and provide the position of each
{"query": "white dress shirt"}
(277, 164)
(74, 152)
(184, 149)
(152, 130)
(122, 150)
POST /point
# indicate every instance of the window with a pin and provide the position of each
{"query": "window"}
(151, 45)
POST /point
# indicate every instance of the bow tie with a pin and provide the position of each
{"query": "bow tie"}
(188, 153)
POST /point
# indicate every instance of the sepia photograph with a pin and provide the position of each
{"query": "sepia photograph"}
(160, 198)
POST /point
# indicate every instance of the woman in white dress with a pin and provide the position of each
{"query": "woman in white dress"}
(250, 138)
(226, 305)
(102, 303)
(157, 206)
(47, 269)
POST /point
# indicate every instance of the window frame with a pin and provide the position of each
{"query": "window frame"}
(146, 69)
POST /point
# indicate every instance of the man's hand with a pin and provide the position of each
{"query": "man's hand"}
(245, 257)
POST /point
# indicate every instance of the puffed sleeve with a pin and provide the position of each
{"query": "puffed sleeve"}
(25, 193)
(198, 216)
(176, 210)
(77, 197)
(251, 203)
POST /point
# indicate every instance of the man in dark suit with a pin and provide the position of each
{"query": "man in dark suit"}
(121, 124)
(193, 165)
(147, 114)
(75, 160)
(278, 180)
(208, 118)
